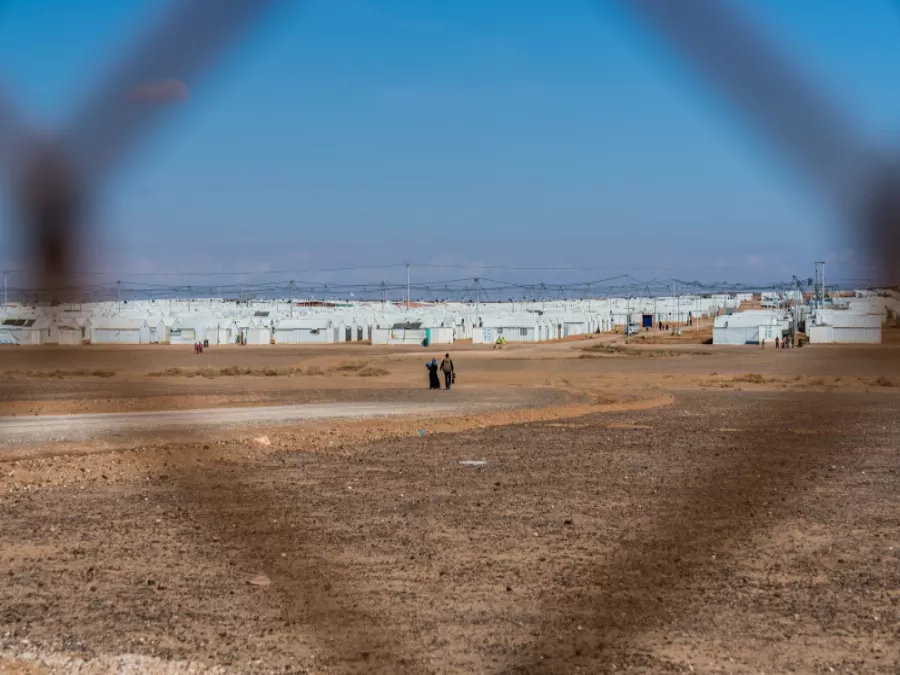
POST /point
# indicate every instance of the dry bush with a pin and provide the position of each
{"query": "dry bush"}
(752, 378)
(58, 374)
(234, 371)
(619, 350)
(350, 366)
(884, 382)
(372, 371)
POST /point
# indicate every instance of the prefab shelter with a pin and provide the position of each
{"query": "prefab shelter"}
(400, 333)
(259, 335)
(192, 329)
(73, 330)
(510, 328)
(159, 331)
(310, 330)
(745, 328)
(842, 327)
(119, 330)
(227, 332)
(29, 331)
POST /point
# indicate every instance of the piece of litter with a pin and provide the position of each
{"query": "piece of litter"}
(421, 432)
(472, 462)
(263, 440)
(260, 580)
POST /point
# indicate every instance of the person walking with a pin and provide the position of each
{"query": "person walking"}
(447, 370)
(433, 381)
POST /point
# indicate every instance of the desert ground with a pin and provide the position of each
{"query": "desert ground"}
(587, 506)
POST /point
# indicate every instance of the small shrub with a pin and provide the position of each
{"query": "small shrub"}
(350, 366)
(751, 378)
(884, 382)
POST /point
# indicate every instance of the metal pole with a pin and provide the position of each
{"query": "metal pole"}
(407, 287)
(5, 298)
(678, 310)
(627, 318)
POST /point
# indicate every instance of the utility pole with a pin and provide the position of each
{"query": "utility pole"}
(820, 290)
(627, 319)
(407, 287)
(383, 297)
(291, 299)
(824, 292)
(5, 298)
(118, 298)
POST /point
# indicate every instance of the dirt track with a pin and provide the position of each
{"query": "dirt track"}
(71, 428)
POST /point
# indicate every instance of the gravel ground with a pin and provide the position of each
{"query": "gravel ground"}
(730, 532)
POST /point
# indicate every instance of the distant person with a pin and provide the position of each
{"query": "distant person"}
(433, 381)
(777, 343)
(762, 343)
(447, 370)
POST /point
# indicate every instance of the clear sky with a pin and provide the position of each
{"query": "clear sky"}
(512, 133)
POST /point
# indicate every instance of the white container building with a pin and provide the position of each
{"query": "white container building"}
(843, 327)
(120, 330)
(309, 330)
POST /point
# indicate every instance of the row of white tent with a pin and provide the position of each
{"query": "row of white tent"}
(216, 321)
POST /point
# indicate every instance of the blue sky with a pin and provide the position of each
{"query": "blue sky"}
(511, 133)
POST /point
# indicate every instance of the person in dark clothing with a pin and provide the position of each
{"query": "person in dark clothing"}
(433, 381)
(447, 370)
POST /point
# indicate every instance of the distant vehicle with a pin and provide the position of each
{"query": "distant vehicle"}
(633, 329)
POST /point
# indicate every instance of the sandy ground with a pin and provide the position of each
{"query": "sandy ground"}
(664, 508)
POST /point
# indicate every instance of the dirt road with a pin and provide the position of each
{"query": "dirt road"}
(72, 428)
